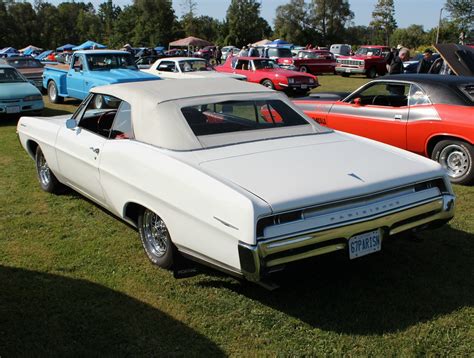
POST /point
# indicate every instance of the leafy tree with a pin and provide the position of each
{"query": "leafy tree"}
(383, 19)
(462, 13)
(88, 26)
(47, 25)
(156, 22)
(23, 18)
(244, 23)
(124, 26)
(412, 37)
(330, 17)
(108, 14)
(292, 23)
(7, 37)
(359, 35)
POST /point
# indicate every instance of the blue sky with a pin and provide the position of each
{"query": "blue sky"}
(407, 12)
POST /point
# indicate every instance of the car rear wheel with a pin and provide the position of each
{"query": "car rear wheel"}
(304, 69)
(268, 83)
(53, 94)
(48, 181)
(156, 239)
(372, 73)
(457, 158)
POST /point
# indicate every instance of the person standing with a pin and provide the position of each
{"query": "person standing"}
(253, 52)
(218, 55)
(244, 52)
(396, 66)
(426, 62)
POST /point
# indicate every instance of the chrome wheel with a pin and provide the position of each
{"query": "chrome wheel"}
(44, 173)
(455, 160)
(155, 234)
(52, 92)
(303, 69)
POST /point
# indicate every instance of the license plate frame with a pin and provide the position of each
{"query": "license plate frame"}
(365, 243)
(348, 70)
(13, 109)
(304, 86)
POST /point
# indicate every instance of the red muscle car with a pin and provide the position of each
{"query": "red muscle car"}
(266, 72)
(368, 60)
(311, 61)
(430, 115)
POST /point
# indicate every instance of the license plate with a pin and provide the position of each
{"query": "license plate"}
(348, 70)
(14, 109)
(364, 244)
(304, 86)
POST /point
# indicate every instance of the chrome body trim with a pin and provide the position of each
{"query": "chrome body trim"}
(268, 254)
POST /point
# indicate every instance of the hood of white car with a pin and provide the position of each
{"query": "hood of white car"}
(303, 171)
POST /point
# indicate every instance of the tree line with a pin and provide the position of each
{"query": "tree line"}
(154, 22)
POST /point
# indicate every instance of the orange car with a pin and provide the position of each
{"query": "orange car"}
(431, 115)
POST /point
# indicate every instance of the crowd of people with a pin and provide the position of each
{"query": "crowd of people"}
(400, 54)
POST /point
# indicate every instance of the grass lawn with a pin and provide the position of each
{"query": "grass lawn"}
(75, 281)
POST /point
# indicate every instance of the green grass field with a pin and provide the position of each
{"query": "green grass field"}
(74, 281)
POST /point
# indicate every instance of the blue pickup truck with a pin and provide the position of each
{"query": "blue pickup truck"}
(88, 69)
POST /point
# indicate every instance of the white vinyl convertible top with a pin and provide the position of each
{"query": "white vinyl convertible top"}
(156, 107)
(161, 91)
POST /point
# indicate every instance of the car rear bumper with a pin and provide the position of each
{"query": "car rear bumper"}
(257, 261)
(20, 107)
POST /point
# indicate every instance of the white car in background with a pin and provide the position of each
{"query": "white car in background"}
(187, 68)
(232, 174)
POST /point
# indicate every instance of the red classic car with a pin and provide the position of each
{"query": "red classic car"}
(266, 72)
(311, 61)
(368, 60)
(430, 115)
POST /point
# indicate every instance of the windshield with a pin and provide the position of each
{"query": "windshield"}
(109, 61)
(8, 75)
(25, 63)
(264, 64)
(368, 51)
(279, 52)
(193, 65)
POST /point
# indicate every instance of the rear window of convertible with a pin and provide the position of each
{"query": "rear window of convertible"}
(236, 116)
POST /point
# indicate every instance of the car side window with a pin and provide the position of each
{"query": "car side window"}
(417, 96)
(99, 114)
(242, 65)
(122, 126)
(167, 66)
(77, 63)
(384, 94)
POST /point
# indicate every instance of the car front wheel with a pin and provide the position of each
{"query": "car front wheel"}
(304, 69)
(47, 179)
(457, 158)
(268, 83)
(156, 239)
(53, 94)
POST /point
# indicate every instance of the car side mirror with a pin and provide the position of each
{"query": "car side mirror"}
(71, 123)
(357, 102)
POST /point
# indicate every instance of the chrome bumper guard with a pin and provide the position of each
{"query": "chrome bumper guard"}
(257, 261)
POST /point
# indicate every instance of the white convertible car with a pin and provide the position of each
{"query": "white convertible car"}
(232, 174)
(187, 68)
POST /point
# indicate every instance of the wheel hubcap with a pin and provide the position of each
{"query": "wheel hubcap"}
(455, 160)
(156, 233)
(44, 172)
(52, 92)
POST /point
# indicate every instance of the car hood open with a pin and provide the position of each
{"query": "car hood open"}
(460, 58)
(309, 170)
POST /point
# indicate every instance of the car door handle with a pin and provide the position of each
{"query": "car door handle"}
(95, 150)
(398, 116)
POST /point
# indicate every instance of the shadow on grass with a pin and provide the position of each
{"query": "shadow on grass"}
(49, 315)
(407, 283)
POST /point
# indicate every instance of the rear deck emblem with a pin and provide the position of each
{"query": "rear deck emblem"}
(357, 177)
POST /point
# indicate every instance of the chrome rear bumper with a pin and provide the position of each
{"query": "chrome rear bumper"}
(258, 260)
